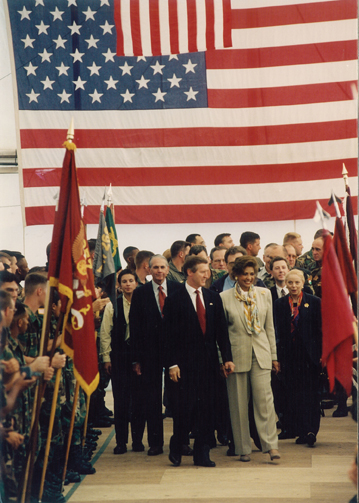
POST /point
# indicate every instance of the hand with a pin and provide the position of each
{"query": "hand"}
(48, 374)
(136, 367)
(99, 304)
(58, 361)
(276, 366)
(228, 368)
(22, 383)
(11, 366)
(175, 373)
(40, 364)
(108, 367)
(14, 439)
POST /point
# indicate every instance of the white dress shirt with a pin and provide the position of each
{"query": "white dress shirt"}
(279, 290)
(192, 293)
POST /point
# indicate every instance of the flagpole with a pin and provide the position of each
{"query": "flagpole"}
(345, 176)
(88, 397)
(53, 406)
(26, 495)
(49, 434)
(71, 429)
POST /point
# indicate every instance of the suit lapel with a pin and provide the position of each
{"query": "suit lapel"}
(151, 296)
(240, 309)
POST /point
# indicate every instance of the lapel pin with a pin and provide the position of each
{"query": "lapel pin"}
(211, 303)
(306, 305)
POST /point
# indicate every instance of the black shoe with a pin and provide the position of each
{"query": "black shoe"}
(204, 462)
(222, 439)
(340, 412)
(231, 450)
(186, 450)
(120, 449)
(94, 431)
(311, 439)
(201, 457)
(72, 477)
(155, 451)
(283, 435)
(175, 459)
(138, 447)
(301, 440)
(49, 496)
(107, 412)
(103, 422)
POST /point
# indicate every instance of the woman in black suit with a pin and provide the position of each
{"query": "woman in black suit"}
(298, 327)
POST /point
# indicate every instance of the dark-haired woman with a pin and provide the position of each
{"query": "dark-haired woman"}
(249, 316)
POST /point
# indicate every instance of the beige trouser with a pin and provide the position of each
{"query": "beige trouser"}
(239, 385)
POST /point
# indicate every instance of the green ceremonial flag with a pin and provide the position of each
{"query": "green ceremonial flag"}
(113, 237)
(103, 265)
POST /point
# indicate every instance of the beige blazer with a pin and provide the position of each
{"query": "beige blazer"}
(241, 339)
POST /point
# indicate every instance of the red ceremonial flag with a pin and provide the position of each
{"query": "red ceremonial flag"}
(70, 271)
(353, 238)
(344, 257)
(337, 320)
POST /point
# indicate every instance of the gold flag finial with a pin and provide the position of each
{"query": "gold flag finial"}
(70, 136)
(345, 175)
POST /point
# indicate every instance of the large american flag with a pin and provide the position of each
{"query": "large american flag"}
(257, 132)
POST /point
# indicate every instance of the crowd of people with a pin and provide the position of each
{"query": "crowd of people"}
(228, 344)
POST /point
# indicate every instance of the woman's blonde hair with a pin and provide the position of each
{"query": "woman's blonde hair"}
(297, 272)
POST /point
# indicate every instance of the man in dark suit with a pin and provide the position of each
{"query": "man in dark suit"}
(279, 268)
(147, 343)
(194, 324)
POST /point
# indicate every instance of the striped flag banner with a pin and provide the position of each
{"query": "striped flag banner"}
(255, 132)
(160, 27)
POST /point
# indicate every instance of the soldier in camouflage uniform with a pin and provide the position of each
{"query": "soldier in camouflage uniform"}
(316, 273)
(306, 261)
(54, 471)
(270, 251)
(21, 414)
(215, 274)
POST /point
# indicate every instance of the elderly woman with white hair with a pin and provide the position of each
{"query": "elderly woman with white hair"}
(298, 327)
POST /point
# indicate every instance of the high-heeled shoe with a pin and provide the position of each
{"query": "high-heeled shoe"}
(245, 458)
(274, 454)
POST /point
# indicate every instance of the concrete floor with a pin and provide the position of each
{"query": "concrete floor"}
(303, 474)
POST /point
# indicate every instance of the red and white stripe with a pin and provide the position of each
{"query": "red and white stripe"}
(160, 27)
(281, 122)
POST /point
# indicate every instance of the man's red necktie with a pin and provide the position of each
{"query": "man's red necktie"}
(201, 312)
(161, 297)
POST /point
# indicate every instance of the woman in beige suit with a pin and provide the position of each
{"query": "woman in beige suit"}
(249, 316)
